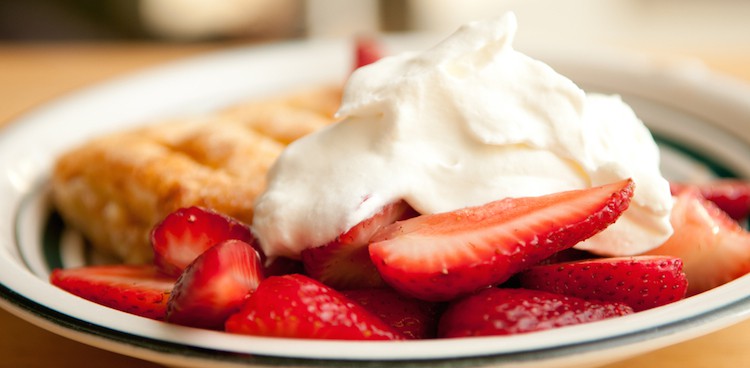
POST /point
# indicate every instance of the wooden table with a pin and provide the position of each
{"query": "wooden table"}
(33, 74)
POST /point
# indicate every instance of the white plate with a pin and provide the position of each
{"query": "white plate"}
(699, 118)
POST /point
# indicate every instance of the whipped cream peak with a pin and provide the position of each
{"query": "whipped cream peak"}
(466, 122)
(478, 57)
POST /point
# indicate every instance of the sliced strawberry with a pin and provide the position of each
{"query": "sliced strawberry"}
(438, 257)
(414, 318)
(136, 289)
(186, 233)
(345, 263)
(731, 195)
(367, 50)
(496, 311)
(215, 285)
(641, 282)
(714, 248)
(300, 307)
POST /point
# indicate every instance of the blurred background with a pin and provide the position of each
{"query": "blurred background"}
(708, 24)
(49, 47)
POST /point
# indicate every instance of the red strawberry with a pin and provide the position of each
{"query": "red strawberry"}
(496, 311)
(438, 257)
(187, 232)
(642, 282)
(345, 263)
(139, 290)
(215, 285)
(712, 246)
(414, 318)
(299, 307)
(367, 50)
(731, 195)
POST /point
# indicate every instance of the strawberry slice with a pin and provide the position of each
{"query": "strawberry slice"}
(641, 282)
(136, 289)
(413, 318)
(496, 311)
(215, 285)
(442, 256)
(714, 248)
(299, 307)
(731, 195)
(345, 263)
(367, 50)
(187, 232)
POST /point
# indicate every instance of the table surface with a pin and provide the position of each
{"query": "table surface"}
(31, 74)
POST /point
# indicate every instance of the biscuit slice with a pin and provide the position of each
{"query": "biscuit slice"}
(115, 188)
(288, 118)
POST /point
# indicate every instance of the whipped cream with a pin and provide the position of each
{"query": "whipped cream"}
(465, 123)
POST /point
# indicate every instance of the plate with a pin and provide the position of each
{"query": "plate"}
(696, 116)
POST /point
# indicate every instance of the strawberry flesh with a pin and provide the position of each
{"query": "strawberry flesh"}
(215, 285)
(442, 256)
(345, 262)
(496, 311)
(731, 195)
(137, 289)
(187, 232)
(414, 318)
(297, 306)
(714, 248)
(642, 282)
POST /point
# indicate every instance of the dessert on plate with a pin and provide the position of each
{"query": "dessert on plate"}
(466, 190)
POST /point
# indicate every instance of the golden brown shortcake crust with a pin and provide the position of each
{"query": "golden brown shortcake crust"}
(115, 188)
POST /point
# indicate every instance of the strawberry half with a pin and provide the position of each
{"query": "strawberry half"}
(215, 285)
(187, 232)
(136, 289)
(642, 282)
(496, 311)
(414, 318)
(297, 306)
(442, 256)
(731, 195)
(345, 262)
(714, 248)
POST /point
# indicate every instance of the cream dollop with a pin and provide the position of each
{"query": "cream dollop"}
(467, 122)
